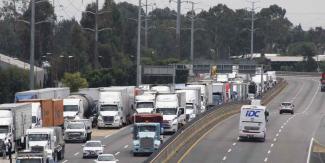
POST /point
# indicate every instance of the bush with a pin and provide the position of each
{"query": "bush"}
(74, 81)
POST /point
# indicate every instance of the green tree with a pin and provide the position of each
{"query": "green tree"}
(74, 81)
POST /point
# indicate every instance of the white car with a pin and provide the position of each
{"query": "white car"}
(92, 148)
(287, 107)
(106, 158)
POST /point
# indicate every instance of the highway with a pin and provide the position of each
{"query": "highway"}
(288, 136)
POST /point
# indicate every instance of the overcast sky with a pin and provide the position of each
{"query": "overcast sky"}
(309, 13)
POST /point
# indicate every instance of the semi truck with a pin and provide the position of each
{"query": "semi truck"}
(92, 92)
(46, 93)
(115, 106)
(78, 130)
(145, 103)
(170, 106)
(47, 139)
(193, 101)
(147, 132)
(15, 119)
(218, 93)
(206, 93)
(78, 106)
(51, 112)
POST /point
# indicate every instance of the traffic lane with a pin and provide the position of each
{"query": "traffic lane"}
(73, 151)
(223, 138)
(297, 134)
(257, 152)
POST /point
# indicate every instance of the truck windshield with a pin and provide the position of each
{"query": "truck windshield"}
(38, 137)
(76, 126)
(108, 108)
(30, 160)
(286, 104)
(167, 111)
(4, 129)
(33, 119)
(73, 108)
(146, 128)
(144, 105)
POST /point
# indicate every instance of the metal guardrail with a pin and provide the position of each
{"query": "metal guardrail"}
(289, 73)
(187, 136)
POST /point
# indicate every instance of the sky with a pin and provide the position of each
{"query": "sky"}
(308, 13)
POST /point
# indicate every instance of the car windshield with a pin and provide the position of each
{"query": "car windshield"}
(108, 108)
(167, 111)
(73, 108)
(33, 119)
(286, 104)
(76, 126)
(38, 137)
(4, 129)
(144, 105)
(93, 144)
(146, 128)
(106, 158)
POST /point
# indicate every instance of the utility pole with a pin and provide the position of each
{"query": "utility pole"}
(252, 27)
(192, 34)
(139, 73)
(32, 46)
(96, 38)
(146, 27)
(178, 29)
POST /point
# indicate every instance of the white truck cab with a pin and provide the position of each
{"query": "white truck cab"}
(173, 115)
(145, 103)
(71, 108)
(252, 124)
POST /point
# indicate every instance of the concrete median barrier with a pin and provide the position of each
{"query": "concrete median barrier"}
(193, 131)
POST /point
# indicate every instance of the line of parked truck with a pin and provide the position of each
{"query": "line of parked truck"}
(41, 121)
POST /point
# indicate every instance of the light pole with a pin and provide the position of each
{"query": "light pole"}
(139, 73)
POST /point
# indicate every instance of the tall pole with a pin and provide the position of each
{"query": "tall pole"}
(146, 27)
(32, 46)
(96, 37)
(139, 46)
(178, 29)
(252, 29)
(192, 35)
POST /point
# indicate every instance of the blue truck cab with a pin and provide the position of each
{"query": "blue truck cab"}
(147, 134)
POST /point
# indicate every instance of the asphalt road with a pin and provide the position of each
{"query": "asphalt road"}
(287, 138)
(118, 142)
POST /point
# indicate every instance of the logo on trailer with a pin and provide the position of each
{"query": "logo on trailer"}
(253, 113)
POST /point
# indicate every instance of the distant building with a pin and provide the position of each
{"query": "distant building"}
(6, 62)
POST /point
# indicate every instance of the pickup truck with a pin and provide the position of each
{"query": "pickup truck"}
(78, 130)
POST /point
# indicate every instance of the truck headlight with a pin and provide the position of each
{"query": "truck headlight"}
(100, 118)
(116, 118)
(156, 144)
(136, 143)
(175, 122)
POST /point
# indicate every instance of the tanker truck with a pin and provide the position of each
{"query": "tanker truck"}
(78, 106)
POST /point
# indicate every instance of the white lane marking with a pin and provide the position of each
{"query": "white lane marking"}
(106, 136)
(268, 152)
(274, 139)
(229, 150)
(265, 160)
(280, 130)
(224, 158)
(312, 100)
(285, 124)
(117, 153)
(65, 161)
(281, 126)
(272, 145)
(76, 154)
(237, 138)
(277, 135)
(233, 144)
(126, 146)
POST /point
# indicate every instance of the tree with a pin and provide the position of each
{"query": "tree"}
(74, 81)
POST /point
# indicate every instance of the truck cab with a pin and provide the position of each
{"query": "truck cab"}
(147, 133)
(145, 103)
(6, 126)
(252, 124)
(72, 108)
(110, 115)
(173, 115)
(46, 139)
(78, 130)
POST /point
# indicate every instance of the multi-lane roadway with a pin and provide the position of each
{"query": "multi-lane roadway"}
(287, 139)
(288, 136)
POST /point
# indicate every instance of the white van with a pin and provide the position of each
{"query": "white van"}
(252, 122)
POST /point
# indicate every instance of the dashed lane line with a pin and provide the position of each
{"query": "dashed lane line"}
(126, 146)
(65, 161)
(117, 153)
(76, 154)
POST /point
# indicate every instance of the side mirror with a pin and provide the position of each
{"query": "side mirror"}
(182, 110)
(161, 130)
(103, 145)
